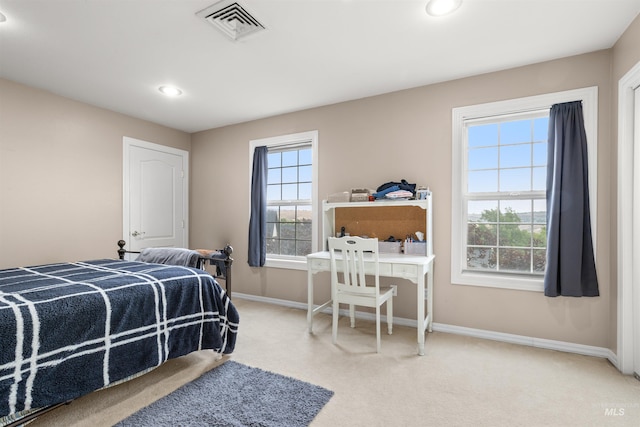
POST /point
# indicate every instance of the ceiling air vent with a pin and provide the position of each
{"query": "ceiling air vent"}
(231, 18)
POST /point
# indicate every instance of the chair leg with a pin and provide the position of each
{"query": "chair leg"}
(378, 328)
(336, 307)
(352, 315)
(390, 315)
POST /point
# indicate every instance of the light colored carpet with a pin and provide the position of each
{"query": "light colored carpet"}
(459, 381)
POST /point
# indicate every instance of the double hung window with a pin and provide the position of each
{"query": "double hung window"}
(289, 201)
(499, 188)
(291, 221)
(504, 195)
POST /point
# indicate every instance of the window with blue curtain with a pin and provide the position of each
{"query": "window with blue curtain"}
(283, 199)
(500, 205)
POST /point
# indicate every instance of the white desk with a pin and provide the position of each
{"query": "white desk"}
(411, 267)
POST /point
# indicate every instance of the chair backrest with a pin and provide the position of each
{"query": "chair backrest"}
(348, 255)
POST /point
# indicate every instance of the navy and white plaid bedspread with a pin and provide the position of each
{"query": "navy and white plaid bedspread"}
(69, 329)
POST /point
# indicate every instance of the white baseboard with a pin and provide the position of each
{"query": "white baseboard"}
(276, 301)
(566, 347)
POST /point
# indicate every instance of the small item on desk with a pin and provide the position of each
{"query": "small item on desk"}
(390, 247)
(360, 194)
(422, 193)
(418, 247)
(339, 197)
(407, 241)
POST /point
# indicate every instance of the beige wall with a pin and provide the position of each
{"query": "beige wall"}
(61, 175)
(407, 134)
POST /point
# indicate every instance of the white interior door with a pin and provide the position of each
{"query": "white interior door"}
(155, 195)
(636, 232)
(628, 346)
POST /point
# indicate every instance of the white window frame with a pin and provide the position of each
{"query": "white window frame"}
(589, 98)
(310, 137)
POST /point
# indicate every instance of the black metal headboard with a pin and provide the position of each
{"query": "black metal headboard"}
(226, 260)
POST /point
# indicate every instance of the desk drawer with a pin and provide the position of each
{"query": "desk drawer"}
(404, 270)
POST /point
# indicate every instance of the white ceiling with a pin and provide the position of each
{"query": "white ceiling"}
(115, 53)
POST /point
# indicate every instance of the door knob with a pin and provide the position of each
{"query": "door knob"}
(136, 234)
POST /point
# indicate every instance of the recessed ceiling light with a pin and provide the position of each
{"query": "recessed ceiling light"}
(170, 90)
(442, 7)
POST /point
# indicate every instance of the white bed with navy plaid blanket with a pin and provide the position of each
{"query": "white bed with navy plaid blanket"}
(69, 329)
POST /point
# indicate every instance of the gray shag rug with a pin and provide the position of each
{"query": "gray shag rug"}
(234, 394)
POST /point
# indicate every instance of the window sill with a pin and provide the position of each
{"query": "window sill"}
(297, 263)
(502, 281)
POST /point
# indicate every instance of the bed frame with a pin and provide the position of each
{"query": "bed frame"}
(202, 261)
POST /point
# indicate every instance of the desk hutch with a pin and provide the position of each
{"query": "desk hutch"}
(382, 219)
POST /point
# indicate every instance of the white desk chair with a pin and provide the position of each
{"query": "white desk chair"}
(348, 258)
